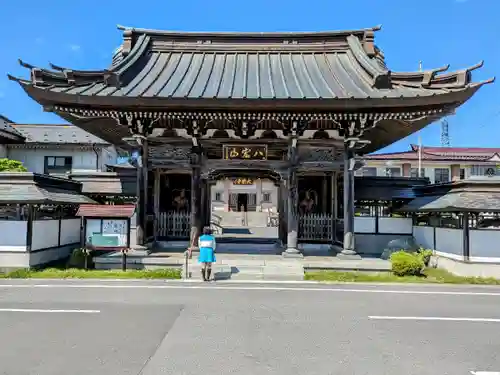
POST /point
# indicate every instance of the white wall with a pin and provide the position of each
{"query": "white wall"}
(364, 224)
(450, 241)
(70, 231)
(83, 159)
(3, 151)
(45, 234)
(13, 235)
(13, 250)
(397, 225)
(484, 245)
(424, 236)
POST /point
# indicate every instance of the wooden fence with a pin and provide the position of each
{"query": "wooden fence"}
(316, 227)
(174, 224)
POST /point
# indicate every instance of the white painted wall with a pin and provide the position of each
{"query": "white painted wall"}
(45, 234)
(13, 235)
(450, 241)
(424, 236)
(70, 231)
(484, 245)
(364, 224)
(13, 251)
(398, 225)
(83, 159)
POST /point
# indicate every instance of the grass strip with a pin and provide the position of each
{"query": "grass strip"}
(75, 273)
(430, 276)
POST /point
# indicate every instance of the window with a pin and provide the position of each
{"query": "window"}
(414, 172)
(484, 170)
(369, 171)
(58, 164)
(266, 198)
(441, 175)
(218, 196)
(393, 172)
(462, 173)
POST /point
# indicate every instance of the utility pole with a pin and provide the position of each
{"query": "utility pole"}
(419, 173)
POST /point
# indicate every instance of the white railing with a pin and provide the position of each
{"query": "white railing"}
(215, 226)
(174, 224)
(316, 227)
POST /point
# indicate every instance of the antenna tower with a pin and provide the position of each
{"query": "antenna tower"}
(445, 135)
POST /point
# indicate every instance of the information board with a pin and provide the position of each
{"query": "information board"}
(106, 232)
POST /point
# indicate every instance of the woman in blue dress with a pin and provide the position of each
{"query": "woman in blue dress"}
(207, 247)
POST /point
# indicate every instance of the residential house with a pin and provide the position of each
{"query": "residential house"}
(54, 149)
(439, 164)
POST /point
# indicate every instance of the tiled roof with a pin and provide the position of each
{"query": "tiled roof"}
(106, 183)
(456, 201)
(442, 154)
(56, 134)
(24, 187)
(94, 210)
(311, 65)
(6, 126)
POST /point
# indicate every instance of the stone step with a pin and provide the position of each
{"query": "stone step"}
(249, 272)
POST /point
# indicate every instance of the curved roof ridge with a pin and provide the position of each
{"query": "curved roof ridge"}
(69, 77)
(439, 78)
(246, 34)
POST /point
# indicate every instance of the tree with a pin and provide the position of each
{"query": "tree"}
(7, 165)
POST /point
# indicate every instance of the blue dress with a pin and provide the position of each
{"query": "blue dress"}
(207, 248)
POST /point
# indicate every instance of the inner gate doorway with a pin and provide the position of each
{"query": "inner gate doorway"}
(244, 211)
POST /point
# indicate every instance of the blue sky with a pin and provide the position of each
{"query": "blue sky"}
(83, 35)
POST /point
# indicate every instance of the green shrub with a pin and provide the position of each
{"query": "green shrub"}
(425, 254)
(406, 264)
(77, 259)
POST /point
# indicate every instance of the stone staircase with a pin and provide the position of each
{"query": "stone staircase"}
(248, 226)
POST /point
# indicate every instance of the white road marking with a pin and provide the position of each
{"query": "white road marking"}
(239, 288)
(438, 318)
(485, 372)
(52, 311)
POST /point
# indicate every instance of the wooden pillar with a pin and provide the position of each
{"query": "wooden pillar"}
(324, 195)
(203, 203)
(466, 235)
(142, 184)
(208, 202)
(292, 203)
(282, 212)
(333, 209)
(195, 199)
(156, 198)
(30, 217)
(348, 250)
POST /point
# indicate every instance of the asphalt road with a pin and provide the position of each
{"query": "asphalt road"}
(90, 327)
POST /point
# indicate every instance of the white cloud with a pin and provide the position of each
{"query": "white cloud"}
(74, 47)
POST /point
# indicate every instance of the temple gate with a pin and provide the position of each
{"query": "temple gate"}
(300, 107)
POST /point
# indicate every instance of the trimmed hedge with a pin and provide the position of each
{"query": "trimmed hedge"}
(407, 264)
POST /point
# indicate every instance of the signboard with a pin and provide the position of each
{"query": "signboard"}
(243, 181)
(245, 152)
(102, 233)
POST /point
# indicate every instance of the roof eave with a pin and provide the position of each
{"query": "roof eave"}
(49, 98)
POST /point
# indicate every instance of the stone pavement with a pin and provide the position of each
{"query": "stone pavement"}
(152, 327)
